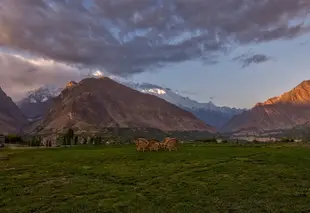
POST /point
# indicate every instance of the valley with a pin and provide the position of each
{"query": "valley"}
(150, 109)
(154, 106)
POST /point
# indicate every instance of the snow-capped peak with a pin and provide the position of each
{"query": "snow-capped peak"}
(156, 91)
(98, 74)
(166, 94)
(43, 94)
(177, 99)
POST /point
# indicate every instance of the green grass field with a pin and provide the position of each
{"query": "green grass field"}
(201, 178)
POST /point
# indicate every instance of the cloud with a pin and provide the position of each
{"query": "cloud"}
(304, 43)
(186, 92)
(19, 75)
(126, 37)
(248, 59)
(150, 86)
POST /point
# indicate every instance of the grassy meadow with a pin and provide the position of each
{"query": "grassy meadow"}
(197, 178)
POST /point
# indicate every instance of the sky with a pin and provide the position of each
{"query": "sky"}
(233, 52)
(228, 84)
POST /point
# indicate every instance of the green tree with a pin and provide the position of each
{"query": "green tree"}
(64, 140)
(91, 140)
(70, 136)
(76, 140)
(85, 140)
(59, 140)
(98, 140)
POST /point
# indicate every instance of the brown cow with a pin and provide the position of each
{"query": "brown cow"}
(164, 143)
(171, 144)
(151, 143)
(154, 146)
(141, 144)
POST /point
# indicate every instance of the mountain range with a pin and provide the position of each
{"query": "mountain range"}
(102, 102)
(94, 104)
(36, 104)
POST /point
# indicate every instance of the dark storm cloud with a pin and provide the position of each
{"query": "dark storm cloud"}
(130, 36)
(249, 58)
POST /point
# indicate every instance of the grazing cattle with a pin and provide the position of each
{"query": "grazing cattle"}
(141, 144)
(168, 143)
(164, 143)
(151, 143)
(154, 146)
(171, 144)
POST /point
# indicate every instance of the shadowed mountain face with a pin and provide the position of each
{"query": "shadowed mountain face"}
(99, 103)
(11, 118)
(215, 117)
(283, 112)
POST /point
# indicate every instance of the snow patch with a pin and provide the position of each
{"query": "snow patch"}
(154, 91)
(44, 99)
(32, 101)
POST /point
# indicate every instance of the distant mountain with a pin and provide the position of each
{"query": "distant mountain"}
(100, 103)
(11, 118)
(38, 102)
(283, 112)
(208, 112)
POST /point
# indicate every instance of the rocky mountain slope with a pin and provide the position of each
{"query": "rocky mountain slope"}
(98, 103)
(284, 112)
(11, 118)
